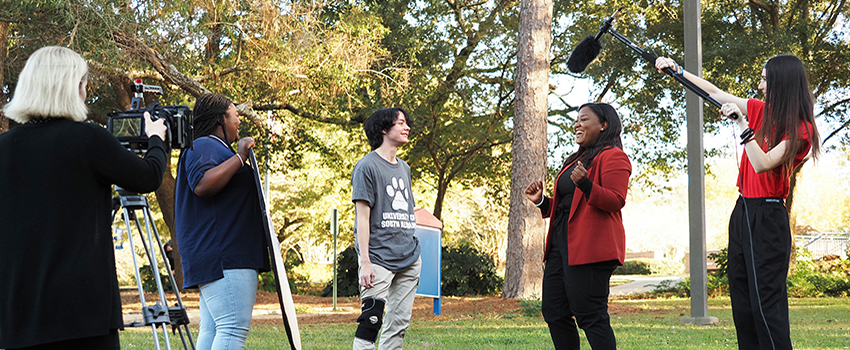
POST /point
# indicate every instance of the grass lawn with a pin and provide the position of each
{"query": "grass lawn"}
(639, 324)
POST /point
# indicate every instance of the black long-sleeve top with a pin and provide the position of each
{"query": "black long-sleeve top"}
(57, 261)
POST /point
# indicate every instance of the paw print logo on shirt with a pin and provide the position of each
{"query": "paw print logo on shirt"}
(398, 192)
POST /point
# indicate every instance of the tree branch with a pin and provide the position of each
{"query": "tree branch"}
(612, 80)
(297, 111)
(216, 75)
(170, 73)
(771, 10)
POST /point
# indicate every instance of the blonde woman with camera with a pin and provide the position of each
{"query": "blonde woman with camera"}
(58, 287)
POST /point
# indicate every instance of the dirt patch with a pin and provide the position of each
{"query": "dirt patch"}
(318, 310)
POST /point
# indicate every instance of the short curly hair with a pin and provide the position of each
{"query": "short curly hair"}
(382, 120)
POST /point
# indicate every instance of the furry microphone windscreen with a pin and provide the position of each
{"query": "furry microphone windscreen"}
(585, 52)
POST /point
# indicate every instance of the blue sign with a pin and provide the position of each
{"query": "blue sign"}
(429, 278)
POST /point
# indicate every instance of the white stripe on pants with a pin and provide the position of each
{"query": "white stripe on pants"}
(398, 289)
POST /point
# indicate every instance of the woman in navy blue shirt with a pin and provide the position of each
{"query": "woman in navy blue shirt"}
(219, 224)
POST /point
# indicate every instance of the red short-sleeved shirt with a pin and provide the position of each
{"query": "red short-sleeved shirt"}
(770, 183)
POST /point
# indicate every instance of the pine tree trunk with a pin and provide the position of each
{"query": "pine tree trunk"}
(4, 30)
(165, 199)
(526, 229)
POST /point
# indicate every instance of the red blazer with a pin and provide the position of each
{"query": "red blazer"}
(595, 227)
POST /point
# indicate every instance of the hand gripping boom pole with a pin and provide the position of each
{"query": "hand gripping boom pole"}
(679, 77)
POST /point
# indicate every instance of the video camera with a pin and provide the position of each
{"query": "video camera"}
(129, 126)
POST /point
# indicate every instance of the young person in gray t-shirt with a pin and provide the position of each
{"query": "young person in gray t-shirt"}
(383, 227)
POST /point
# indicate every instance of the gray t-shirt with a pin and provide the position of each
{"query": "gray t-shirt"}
(386, 188)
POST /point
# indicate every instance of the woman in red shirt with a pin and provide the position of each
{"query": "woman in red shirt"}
(586, 239)
(759, 230)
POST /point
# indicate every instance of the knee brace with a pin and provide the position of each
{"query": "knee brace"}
(371, 318)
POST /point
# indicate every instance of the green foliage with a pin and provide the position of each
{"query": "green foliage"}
(734, 51)
(531, 307)
(721, 259)
(149, 283)
(645, 266)
(672, 288)
(466, 271)
(665, 267)
(716, 286)
(633, 267)
(348, 275)
(452, 67)
(829, 276)
(267, 280)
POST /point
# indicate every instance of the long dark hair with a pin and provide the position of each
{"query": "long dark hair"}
(610, 137)
(789, 103)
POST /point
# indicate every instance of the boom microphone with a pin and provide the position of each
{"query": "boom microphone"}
(587, 50)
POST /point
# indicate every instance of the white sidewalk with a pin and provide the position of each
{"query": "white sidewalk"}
(639, 283)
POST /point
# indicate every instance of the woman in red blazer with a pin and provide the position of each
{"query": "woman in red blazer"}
(586, 240)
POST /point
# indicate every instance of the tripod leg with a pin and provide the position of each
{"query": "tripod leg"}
(157, 314)
(177, 317)
(165, 337)
(188, 335)
(151, 257)
(155, 336)
(133, 253)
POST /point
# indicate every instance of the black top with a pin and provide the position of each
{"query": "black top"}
(566, 189)
(57, 261)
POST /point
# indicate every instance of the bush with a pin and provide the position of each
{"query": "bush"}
(149, 283)
(829, 276)
(665, 267)
(266, 280)
(348, 276)
(715, 287)
(644, 266)
(466, 271)
(721, 259)
(672, 288)
(633, 267)
(531, 307)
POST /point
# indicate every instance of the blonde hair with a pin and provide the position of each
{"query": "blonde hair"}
(49, 86)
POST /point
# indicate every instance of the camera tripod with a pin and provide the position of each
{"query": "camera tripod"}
(158, 314)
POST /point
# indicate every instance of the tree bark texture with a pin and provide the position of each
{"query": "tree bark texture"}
(165, 198)
(526, 229)
(4, 30)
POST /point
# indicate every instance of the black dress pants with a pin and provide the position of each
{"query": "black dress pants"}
(577, 294)
(759, 251)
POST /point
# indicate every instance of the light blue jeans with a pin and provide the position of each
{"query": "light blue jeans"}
(226, 306)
